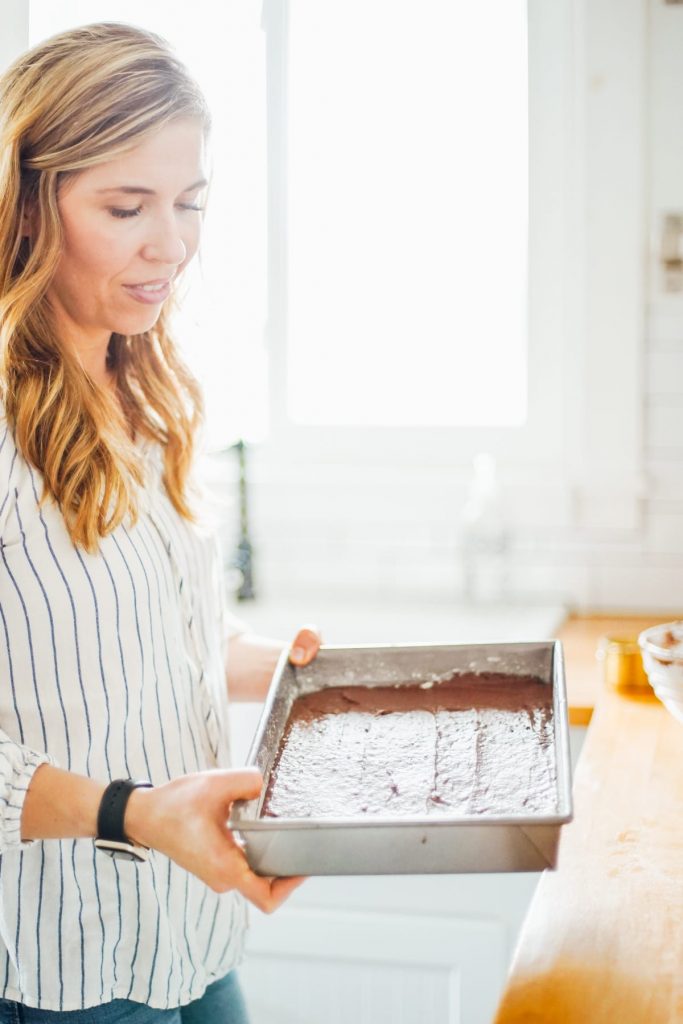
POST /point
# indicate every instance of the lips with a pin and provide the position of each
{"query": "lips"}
(139, 284)
(150, 294)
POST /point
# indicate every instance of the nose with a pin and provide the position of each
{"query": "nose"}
(165, 243)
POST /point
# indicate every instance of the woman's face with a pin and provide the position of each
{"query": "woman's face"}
(127, 222)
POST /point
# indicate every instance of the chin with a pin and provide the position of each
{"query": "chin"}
(135, 325)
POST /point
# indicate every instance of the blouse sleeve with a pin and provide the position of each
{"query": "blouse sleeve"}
(17, 766)
(17, 761)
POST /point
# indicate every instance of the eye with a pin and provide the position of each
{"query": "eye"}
(125, 213)
(115, 212)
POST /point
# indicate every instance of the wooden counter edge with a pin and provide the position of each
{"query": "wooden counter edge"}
(539, 987)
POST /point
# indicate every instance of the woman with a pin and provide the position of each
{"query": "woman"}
(113, 632)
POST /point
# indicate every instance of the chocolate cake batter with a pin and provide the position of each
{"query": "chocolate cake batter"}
(469, 744)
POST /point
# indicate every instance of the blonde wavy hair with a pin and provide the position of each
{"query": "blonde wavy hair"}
(80, 98)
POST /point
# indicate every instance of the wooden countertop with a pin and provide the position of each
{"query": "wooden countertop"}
(602, 942)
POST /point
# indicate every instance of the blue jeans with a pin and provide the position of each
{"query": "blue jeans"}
(222, 1003)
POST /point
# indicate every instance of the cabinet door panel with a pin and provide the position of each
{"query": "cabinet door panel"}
(313, 965)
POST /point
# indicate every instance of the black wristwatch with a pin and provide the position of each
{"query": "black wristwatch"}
(111, 838)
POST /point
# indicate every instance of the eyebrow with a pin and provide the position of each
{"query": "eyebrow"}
(139, 190)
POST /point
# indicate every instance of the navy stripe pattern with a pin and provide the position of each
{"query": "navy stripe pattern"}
(111, 665)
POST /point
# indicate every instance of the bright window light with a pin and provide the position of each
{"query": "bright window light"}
(407, 213)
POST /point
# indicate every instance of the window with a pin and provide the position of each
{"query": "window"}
(420, 162)
(407, 215)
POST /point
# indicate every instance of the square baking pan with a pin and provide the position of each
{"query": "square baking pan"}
(432, 843)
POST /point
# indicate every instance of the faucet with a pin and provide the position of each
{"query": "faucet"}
(243, 555)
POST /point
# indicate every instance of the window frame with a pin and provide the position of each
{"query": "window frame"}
(541, 436)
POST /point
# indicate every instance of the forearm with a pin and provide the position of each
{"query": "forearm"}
(185, 819)
(251, 661)
(60, 805)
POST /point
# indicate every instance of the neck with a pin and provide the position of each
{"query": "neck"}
(95, 365)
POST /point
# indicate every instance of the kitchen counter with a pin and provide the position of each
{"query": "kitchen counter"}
(603, 938)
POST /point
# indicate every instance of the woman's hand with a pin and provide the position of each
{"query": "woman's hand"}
(305, 646)
(186, 819)
(252, 660)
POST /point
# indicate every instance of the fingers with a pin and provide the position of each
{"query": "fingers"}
(193, 830)
(267, 894)
(306, 645)
(288, 885)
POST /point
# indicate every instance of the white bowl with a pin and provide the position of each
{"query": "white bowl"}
(662, 649)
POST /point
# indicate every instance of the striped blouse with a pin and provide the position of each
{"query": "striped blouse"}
(111, 665)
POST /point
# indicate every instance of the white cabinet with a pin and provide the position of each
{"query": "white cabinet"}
(413, 949)
(322, 964)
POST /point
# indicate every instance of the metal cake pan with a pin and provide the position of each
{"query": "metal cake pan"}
(409, 845)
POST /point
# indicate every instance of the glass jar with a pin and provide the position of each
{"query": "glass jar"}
(623, 664)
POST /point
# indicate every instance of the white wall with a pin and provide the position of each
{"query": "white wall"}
(662, 530)
(13, 30)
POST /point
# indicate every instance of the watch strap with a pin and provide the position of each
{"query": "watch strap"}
(113, 807)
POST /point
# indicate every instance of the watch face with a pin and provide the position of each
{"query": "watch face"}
(122, 851)
(123, 855)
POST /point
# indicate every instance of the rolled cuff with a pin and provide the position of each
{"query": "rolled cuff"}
(19, 768)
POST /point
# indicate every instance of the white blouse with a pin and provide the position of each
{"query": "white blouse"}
(111, 666)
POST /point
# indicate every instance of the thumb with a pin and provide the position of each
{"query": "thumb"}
(240, 784)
